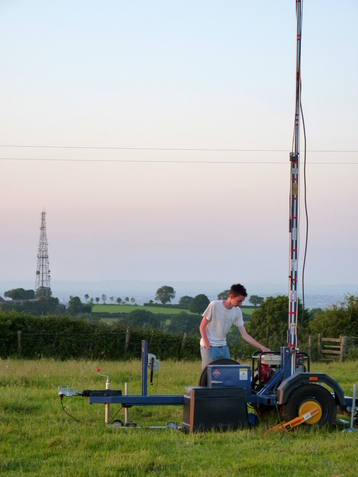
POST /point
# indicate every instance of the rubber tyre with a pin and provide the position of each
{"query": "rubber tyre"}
(203, 379)
(316, 394)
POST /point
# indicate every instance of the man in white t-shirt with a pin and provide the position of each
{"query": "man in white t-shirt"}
(216, 322)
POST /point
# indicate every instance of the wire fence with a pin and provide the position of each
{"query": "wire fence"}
(65, 338)
(114, 345)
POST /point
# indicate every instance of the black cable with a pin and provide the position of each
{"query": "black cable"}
(63, 407)
(110, 422)
(77, 420)
(306, 216)
(305, 196)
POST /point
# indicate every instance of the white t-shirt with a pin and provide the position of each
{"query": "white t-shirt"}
(220, 320)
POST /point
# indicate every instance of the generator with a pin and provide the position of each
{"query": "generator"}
(266, 365)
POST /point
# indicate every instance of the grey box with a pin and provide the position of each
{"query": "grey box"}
(229, 375)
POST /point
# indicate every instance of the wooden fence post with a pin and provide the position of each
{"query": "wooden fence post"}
(184, 340)
(310, 345)
(127, 340)
(319, 345)
(19, 343)
(343, 347)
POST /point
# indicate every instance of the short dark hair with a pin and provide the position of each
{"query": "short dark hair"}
(237, 290)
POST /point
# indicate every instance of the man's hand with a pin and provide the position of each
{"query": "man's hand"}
(265, 350)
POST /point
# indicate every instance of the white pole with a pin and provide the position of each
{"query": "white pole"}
(106, 406)
(353, 407)
(126, 409)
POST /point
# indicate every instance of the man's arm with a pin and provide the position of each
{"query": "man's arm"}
(249, 339)
(203, 325)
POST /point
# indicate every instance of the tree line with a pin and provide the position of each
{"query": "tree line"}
(271, 313)
(67, 337)
(336, 320)
(28, 301)
(165, 294)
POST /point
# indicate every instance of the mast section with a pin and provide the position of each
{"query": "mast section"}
(294, 200)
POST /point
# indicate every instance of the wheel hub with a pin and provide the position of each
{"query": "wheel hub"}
(306, 407)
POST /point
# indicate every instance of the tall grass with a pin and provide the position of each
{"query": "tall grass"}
(38, 439)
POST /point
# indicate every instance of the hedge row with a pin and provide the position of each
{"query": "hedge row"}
(73, 338)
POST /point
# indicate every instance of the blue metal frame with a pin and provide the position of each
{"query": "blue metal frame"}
(266, 396)
(141, 399)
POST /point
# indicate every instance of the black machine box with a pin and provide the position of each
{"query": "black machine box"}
(214, 408)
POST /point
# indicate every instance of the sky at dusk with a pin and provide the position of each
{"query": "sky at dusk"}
(156, 136)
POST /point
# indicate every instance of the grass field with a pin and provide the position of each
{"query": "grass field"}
(129, 308)
(153, 309)
(38, 439)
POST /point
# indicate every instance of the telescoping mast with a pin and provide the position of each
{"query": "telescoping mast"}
(294, 203)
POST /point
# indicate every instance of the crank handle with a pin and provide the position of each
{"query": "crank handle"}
(99, 374)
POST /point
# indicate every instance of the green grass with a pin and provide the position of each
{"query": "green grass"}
(128, 308)
(247, 311)
(38, 439)
(153, 309)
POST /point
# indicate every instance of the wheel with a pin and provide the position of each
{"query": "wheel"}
(117, 423)
(203, 380)
(304, 398)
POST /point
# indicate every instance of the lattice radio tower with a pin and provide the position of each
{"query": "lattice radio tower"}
(42, 285)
